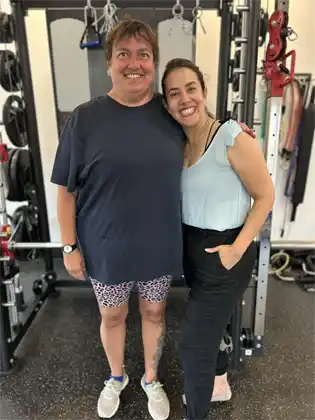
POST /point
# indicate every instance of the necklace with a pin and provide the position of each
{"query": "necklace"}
(189, 148)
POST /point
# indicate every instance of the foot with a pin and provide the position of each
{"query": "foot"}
(221, 390)
(109, 399)
(158, 403)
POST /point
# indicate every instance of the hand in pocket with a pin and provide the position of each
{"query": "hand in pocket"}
(228, 255)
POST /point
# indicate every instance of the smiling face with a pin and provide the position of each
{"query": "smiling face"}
(185, 96)
(132, 66)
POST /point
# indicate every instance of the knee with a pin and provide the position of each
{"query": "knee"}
(153, 314)
(113, 318)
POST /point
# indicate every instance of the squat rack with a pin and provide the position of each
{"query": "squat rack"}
(250, 20)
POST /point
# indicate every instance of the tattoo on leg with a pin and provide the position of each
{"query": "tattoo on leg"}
(159, 348)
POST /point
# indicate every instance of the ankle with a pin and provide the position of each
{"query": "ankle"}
(221, 378)
(117, 372)
(150, 377)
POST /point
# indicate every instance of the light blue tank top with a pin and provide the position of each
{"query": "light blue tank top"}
(213, 196)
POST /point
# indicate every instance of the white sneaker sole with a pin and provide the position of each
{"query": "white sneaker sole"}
(101, 414)
(152, 413)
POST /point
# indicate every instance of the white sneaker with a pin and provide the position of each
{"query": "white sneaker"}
(158, 403)
(109, 399)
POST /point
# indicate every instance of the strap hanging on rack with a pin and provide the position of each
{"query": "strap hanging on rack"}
(290, 144)
(110, 18)
(292, 108)
(91, 28)
(197, 13)
(304, 154)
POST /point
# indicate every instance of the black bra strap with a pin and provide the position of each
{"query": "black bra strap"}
(221, 122)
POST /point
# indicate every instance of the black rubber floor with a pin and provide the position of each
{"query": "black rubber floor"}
(64, 364)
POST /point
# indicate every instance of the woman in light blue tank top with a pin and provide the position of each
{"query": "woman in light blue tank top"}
(224, 170)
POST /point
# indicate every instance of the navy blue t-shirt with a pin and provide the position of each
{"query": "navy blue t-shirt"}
(125, 164)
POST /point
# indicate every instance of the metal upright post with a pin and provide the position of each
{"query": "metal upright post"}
(251, 62)
(242, 41)
(278, 76)
(224, 59)
(33, 136)
(250, 19)
(5, 328)
(244, 9)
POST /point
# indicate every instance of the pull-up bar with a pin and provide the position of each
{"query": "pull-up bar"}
(157, 4)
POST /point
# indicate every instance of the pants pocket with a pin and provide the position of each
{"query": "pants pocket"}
(221, 265)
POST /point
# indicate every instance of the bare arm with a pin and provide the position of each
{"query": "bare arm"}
(66, 211)
(249, 163)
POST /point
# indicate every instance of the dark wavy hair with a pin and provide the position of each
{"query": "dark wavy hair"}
(178, 63)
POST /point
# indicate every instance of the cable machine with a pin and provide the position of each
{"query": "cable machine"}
(247, 341)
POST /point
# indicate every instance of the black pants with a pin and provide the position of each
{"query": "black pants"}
(214, 293)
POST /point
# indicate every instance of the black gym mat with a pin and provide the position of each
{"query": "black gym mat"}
(65, 365)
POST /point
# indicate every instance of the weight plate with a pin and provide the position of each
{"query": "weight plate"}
(8, 181)
(14, 120)
(7, 30)
(13, 176)
(19, 174)
(10, 71)
(24, 172)
(27, 231)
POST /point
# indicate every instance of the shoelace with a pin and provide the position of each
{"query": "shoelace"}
(110, 385)
(155, 387)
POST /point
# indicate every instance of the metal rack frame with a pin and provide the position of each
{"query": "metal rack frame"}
(250, 13)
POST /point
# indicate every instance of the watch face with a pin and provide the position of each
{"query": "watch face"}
(67, 249)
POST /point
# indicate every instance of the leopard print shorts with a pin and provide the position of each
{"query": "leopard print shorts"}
(112, 296)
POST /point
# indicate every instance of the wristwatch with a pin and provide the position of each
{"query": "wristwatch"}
(67, 249)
